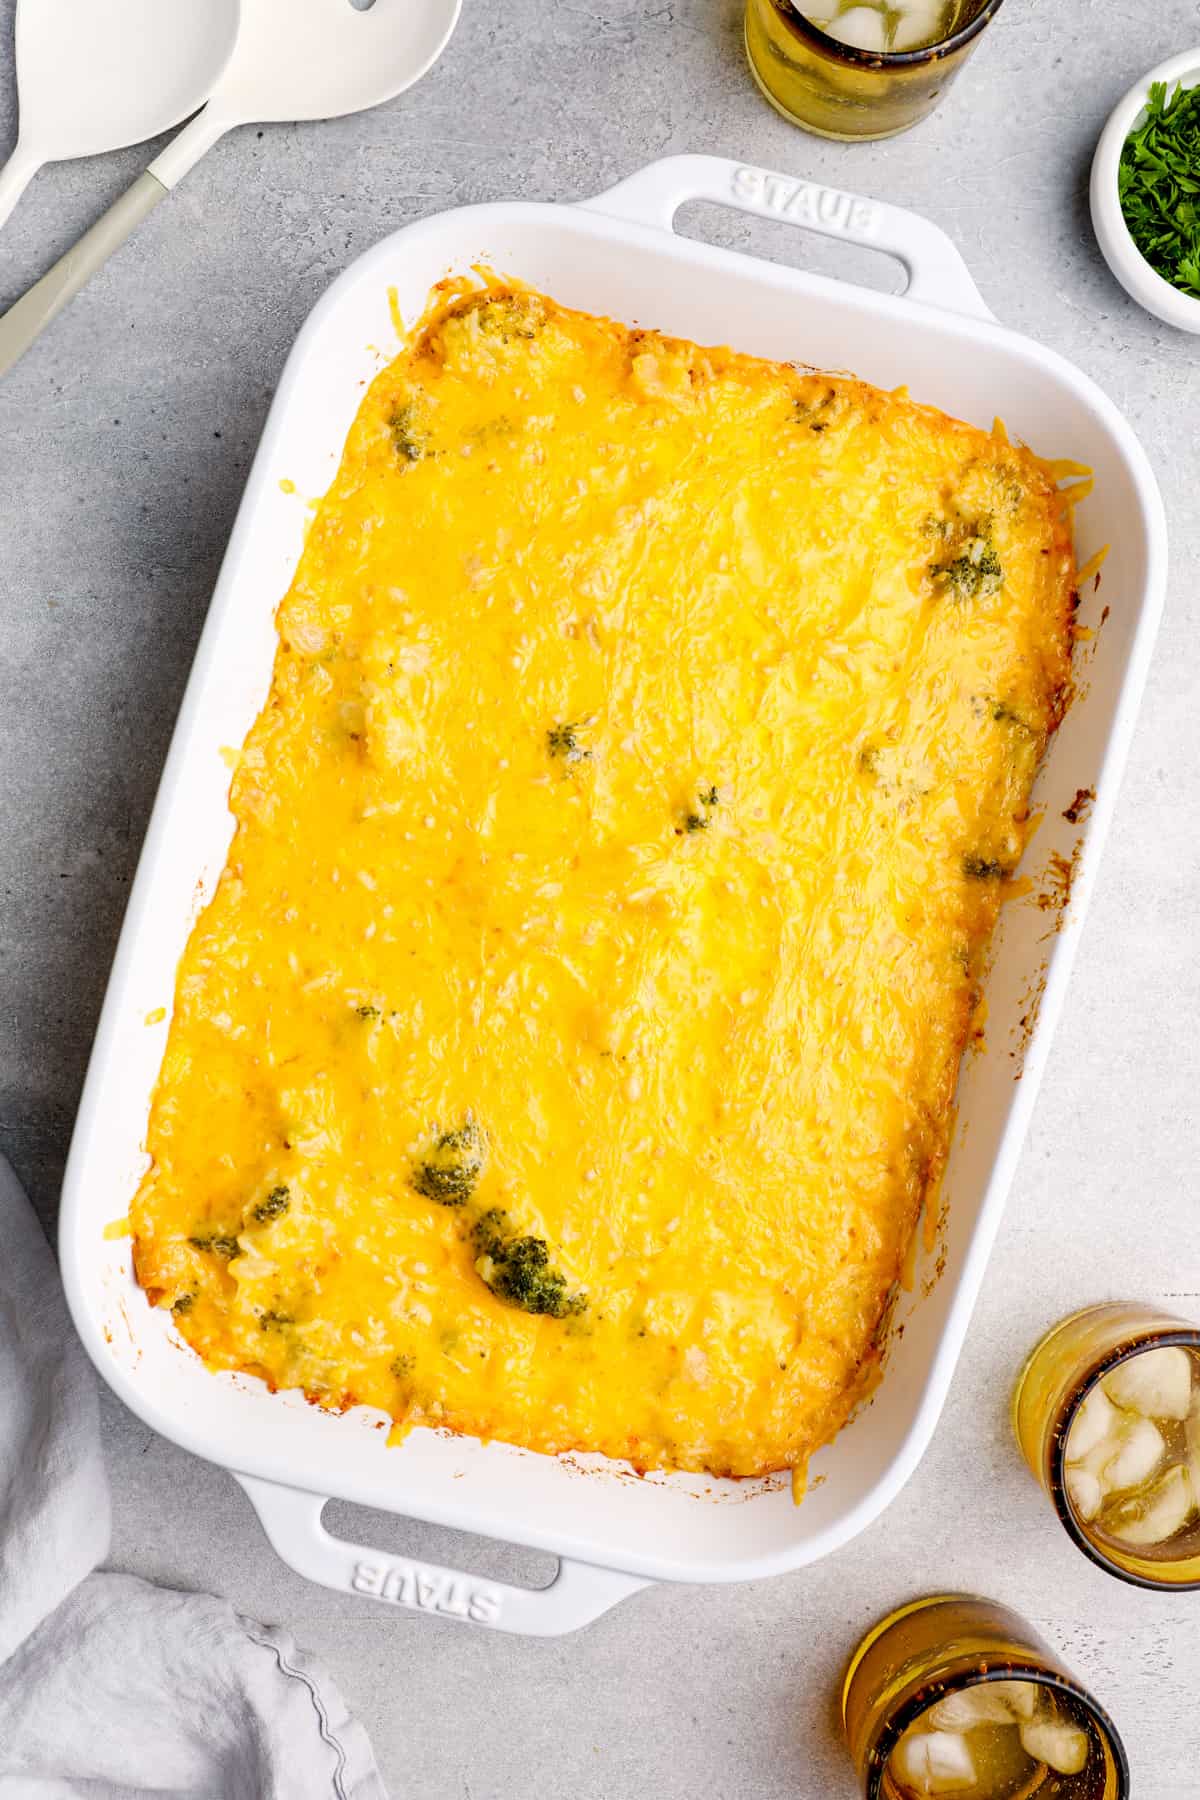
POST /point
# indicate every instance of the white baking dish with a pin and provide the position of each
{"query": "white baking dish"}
(619, 255)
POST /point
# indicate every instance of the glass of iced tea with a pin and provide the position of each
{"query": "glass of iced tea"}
(958, 1695)
(1107, 1414)
(860, 68)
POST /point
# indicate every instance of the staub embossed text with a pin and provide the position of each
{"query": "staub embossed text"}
(427, 1590)
(804, 202)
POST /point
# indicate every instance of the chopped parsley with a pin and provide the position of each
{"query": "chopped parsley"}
(1159, 186)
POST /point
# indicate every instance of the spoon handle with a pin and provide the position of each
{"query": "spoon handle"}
(15, 177)
(44, 301)
(31, 314)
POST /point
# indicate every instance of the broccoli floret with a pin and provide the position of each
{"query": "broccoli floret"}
(522, 1275)
(275, 1204)
(511, 315)
(490, 1231)
(219, 1245)
(450, 1170)
(698, 819)
(410, 440)
(517, 1269)
(974, 574)
(982, 868)
(562, 741)
(274, 1321)
(816, 413)
(1003, 714)
(183, 1304)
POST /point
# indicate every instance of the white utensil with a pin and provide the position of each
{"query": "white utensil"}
(95, 75)
(294, 59)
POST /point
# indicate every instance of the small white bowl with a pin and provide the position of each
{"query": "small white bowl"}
(1120, 252)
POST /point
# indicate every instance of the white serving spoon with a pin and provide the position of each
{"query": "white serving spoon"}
(95, 75)
(294, 59)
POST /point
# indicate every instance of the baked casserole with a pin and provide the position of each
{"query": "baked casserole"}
(569, 1046)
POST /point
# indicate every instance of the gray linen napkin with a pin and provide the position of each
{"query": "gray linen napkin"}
(112, 1688)
(54, 1512)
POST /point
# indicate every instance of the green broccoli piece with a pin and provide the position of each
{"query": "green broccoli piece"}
(974, 574)
(693, 820)
(809, 412)
(219, 1245)
(511, 316)
(450, 1170)
(275, 1204)
(490, 1231)
(183, 1304)
(410, 440)
(517, 1269)
(274, 1321)
(562, 741)
(982, 868)
(1003, 714)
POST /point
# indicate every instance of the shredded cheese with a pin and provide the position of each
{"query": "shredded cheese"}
(570, 1043)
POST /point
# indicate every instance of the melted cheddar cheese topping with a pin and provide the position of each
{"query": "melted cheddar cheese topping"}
(570, 1043)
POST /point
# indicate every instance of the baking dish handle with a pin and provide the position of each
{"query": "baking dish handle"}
(291, 1518)
(937, 274)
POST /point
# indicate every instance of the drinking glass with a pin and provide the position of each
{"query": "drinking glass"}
(839, 91)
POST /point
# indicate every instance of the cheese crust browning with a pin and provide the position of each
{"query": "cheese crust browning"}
(570, 1043)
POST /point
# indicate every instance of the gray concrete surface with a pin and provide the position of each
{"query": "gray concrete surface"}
(124, 441)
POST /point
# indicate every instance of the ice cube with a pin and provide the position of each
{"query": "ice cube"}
(933, 1762)
(1084, 1492)
(1060, 1745)
(1094, 1419)
(1139, 1450)
(1155, 1383)
(978, 1705)
(1193, 1444)
(862, 27)
(920, 22)
(1020, 1697)
(1171, 1503)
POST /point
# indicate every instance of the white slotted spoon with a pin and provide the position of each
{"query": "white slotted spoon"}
(293, 60)
(95, 75)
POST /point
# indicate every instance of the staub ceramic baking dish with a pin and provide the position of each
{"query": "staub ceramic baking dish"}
(617, 254)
